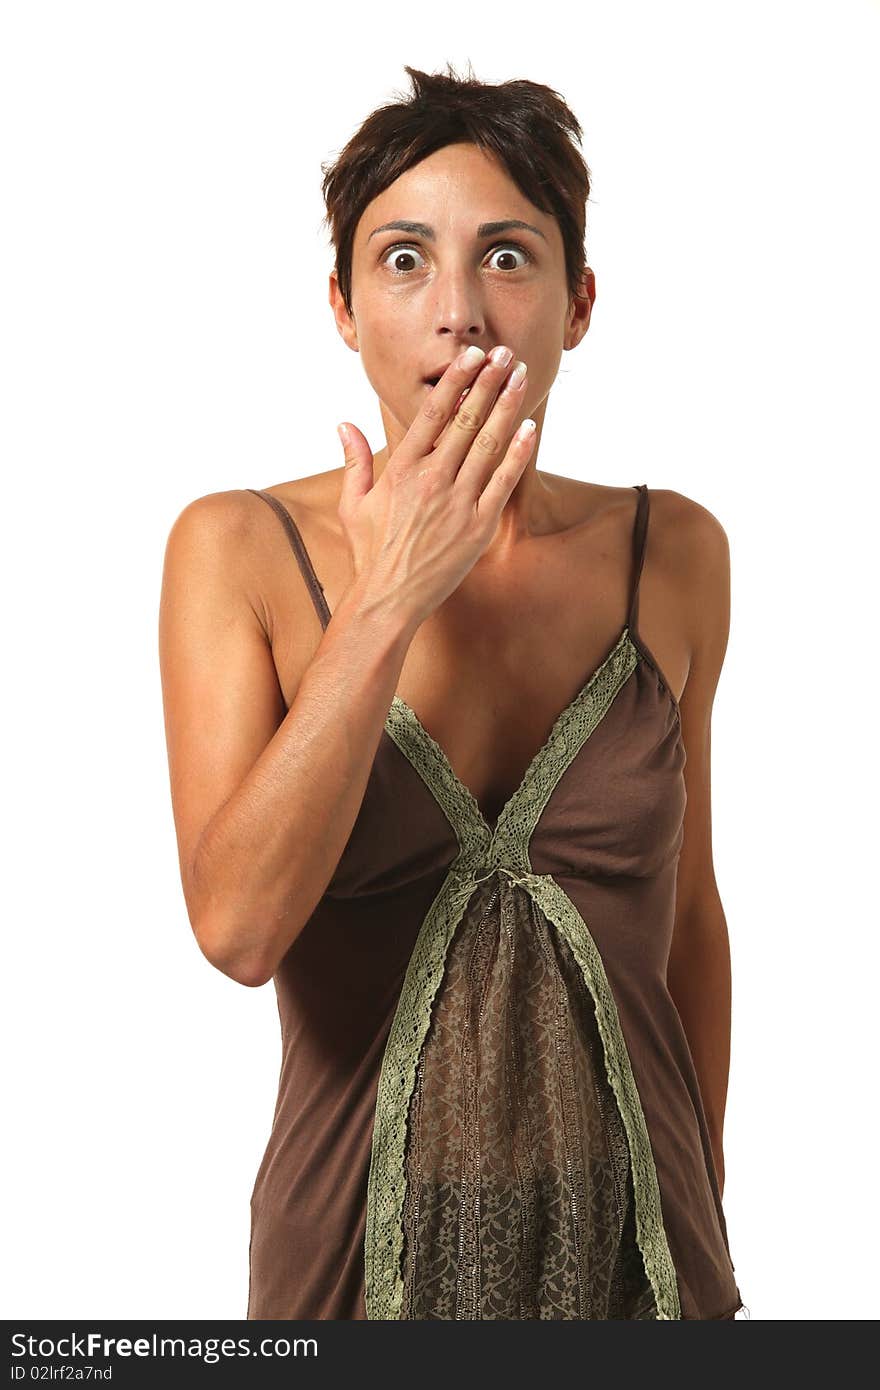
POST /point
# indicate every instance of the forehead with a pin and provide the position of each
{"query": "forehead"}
(452, 190)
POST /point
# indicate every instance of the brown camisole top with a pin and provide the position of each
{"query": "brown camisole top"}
(487, 1105)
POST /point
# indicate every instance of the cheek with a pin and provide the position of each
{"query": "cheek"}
(386, 353)
(537, 336)
(387, 332)
(392, 372)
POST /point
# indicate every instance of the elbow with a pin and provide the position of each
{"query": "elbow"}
(228, 941)
(227, 952)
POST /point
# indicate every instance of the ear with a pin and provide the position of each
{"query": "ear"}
(344, 320)
(580, 309)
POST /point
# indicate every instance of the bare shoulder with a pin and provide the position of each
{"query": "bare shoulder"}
(691, 545)
(217, 516)
(230, 543)
(236, 516)
(238, 523)
(690, 542)
(214, 530)
(688, 523)
(219, 536)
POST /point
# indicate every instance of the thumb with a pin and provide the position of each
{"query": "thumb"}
(358, 477)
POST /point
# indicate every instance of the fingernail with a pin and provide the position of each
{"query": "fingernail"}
(516, 376)
(472, 357)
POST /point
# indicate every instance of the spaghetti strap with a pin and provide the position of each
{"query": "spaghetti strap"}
(640, 536)
(314, 585)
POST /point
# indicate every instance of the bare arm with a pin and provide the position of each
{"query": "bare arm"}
(264, 801)
(699, 974)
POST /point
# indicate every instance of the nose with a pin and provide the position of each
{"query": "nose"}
(458, 308)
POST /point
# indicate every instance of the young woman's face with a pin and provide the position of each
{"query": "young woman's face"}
(420, 296)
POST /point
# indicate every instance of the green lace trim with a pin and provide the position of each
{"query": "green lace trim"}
(650, 1233)
(481, 853)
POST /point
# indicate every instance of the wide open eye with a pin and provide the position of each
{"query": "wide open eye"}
(506, 250)
(400, 253)
(401, 250)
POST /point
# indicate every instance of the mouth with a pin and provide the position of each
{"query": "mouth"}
(429, 382)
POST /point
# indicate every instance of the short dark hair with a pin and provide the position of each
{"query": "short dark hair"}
(526, 125)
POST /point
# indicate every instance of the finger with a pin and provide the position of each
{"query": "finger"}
(468, 420)
(357, 480)
(498, 490)
(439, 405)
(491, 439)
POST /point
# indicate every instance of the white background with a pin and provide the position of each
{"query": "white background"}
(166, 333)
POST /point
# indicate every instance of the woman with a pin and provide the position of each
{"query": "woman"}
(438, 794)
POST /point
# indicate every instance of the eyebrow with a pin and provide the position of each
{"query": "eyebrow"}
(485, 228)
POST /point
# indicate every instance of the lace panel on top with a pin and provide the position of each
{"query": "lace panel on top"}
(519, 1199)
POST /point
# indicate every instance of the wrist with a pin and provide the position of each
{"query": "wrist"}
(376, 608)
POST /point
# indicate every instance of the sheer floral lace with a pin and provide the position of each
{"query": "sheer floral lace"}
(511, 1172)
